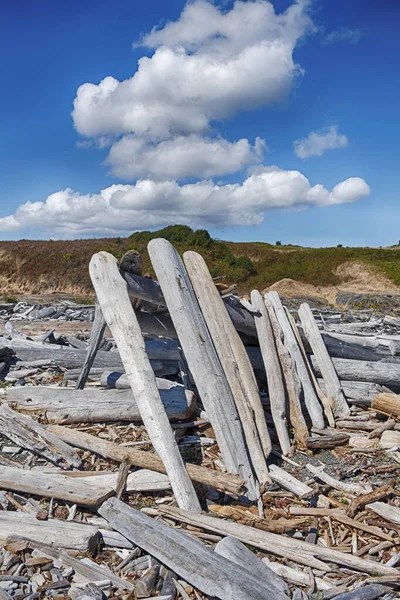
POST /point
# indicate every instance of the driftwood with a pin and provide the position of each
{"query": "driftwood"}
(117, 310)
(276, 389)
(383, 373)
(292, 381)
(386, 511)
(294, 575)
(333, 387)
(91, 572)
(27, 433)
(233, 550)
(202, 358)
(96, 337)
(291, 343)
(290, 548)
(66, 405)
(333, 439)
(362, 392)
(387, 403)
(71, 489)
(390, 439)
(289, 482)
(367, 592)
(63, 534)
(351, 488)
(235, 363)
(189, 558)
(361, 501)
(225, 482)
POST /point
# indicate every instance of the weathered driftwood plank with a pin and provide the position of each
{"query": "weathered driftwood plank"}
(300, 552)
(225, 482)
(111, 291)
(386, 511)
(276, 389)
(63, 534)
(91, 572)
(202, 358)
(363, 391)
(27, 433)
(352, 347)
(67, 405)
(143, 480)
(292, 381)
(235, 363)
(351, 488)
(96, 337)
(333, 387)
(377, 494)
(289, 482)
(387, 403)
(310, 397)
(189, 558)
(238, 553)
(382, 373)
(370, 591)
(72, 489)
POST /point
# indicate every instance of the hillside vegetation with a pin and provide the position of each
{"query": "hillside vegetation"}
(39, 267)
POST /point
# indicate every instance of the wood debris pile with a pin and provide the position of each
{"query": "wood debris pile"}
(212, 447)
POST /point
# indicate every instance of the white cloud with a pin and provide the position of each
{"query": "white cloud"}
(134, 157)
(121, 209)
(318, 142)
(344, 34)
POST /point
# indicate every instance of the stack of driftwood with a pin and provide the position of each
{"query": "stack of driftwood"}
(213, 448)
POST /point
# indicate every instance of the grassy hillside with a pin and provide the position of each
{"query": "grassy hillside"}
(32, 267)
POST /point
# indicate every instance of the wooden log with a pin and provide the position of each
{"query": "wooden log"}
(289, 482)
(189, 558)
(351, 488)
(27, 433)
(363, 391)
(276, 389)
(96, 337)
(235, 364)
(367, 592)
(232, 549)
(295, 576)
(290, 341)
(61, 487)
(290, 548)
(292, 381)
(382, 373)
(91, 572)
(66, 405)
(203, 360)
(335, 438)
(390, 439)
(333, 387)
(63, 534)
(229, 483)
(352, 347)
(386, 511)
(115, 304)
(377, 494)
(388, 404)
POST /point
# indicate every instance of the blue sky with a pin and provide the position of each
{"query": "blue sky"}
(183, 147)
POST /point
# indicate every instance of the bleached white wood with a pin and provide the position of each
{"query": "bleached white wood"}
(383, 373)
(56, 532)
(300, 552)
(235, 363)
(188, 557)
(27, 433)
(289, 482)
(112, 294)
(290, 341)
(67, 405)
(96, 337)
(292, 381)
(350, 488)
(332, 384)
(232, 549)
(202, 359)
(139, 481)
(295, 575)
(386, 511)
(276, 389)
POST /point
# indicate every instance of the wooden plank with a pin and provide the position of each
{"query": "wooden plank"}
(61, 487)
(96, 337)
(229, 483)
(289, 482)
(202, 359)
(189, 558)
(67, 405)
(111, 291)
(386, 511)
(292, 381)
(276, 389)
(64, 534)
(290, 341)
(235, 363)
(333, 388)
(27, 433)
(383, 373)
(300, 552)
